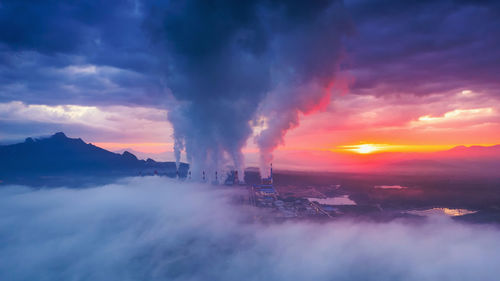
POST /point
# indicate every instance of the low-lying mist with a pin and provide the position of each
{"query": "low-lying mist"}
(161, 229)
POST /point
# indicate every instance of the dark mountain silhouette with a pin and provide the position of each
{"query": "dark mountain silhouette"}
(474, 151)
(145, 155)
(59, 155)
(460, 160)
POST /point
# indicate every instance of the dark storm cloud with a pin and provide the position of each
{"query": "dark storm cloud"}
(17, 131)
(39, 39)
(400, 46)
(159, 229)
(40, 79)
(423, 47)
(64, 26)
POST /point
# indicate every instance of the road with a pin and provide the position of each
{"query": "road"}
(319, 209)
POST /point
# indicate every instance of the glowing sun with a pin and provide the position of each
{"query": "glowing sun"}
(365, 148)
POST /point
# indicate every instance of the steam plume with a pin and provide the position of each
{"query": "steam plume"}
(228, 61)
(307, 60)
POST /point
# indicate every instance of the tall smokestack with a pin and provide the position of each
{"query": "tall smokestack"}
(271, 173)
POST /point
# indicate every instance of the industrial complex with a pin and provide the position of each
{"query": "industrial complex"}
(263, 194)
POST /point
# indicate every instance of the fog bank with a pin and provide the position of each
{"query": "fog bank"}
(160, 229)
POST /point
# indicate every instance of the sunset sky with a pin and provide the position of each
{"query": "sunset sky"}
(415, 76)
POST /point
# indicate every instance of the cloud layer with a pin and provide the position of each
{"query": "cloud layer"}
(160, 229)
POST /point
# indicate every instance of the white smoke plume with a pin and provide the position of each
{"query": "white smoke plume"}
(231, 62)
(304, 74)
(161, 229)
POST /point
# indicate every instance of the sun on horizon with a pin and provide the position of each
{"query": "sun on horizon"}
(366, 148)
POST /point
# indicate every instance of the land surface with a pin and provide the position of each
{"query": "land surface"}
(61, 161)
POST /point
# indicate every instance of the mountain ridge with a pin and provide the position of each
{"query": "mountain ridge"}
(59, 154)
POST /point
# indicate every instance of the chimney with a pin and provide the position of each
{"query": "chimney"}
(271, 174)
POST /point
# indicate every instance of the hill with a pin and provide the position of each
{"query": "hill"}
(59, 155)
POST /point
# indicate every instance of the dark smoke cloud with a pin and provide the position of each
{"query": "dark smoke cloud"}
(160, 229)
(227, 58)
